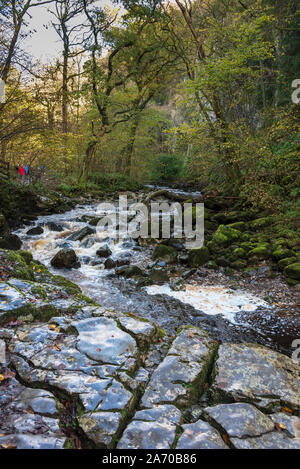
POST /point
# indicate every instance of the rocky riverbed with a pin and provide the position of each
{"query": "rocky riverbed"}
(143, 351)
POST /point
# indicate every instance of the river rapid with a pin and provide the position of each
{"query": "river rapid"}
(234, 315)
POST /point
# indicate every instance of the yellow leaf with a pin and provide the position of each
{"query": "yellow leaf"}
(2, 378)
(52, 327)
(57, 348)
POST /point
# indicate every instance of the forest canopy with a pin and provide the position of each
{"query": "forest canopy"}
(156, 91)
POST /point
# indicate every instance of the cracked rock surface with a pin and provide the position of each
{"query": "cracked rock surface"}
(83, 376)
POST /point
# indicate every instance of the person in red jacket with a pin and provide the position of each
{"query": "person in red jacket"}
(22, 172)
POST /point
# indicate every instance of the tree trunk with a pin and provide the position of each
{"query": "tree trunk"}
(130, 146)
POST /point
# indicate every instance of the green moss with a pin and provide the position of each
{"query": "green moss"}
(292, 271)
(261, 223)
(226, 235)
(239, 264)
(282, 253)
(27, 256)
(239, 253)
(240, 226)
(259, 252)
(288, 261)
(198, 256)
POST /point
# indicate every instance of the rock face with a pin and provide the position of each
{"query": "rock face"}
(265, 377)
(65, 259)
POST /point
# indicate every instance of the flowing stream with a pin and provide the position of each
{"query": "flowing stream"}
(228, 315)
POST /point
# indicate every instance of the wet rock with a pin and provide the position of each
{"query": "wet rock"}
(79, 235)
(110, 263)
(32, 442)
(11, 242)
(104, 251)
(200, 435)
(159, 276)
(274, 440)
(101, 427)
(37, 230)
(143, 330)
(133, 271)
(182, 374)
(198, 257)
(87, 243)
(290, 422)
(147, 435)
(188, 273)
(102, 340)
(54, 226)
(240, 419)
(65, 259)
(249, 372)
(166, 253)
(38, 400)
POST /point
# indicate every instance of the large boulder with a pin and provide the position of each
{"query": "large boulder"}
(198, 257)
(11, 242)
(159, 276)
(65, 259)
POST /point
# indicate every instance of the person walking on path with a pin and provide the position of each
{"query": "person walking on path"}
(22, 173)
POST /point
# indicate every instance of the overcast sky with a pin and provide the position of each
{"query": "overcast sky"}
(45, 43)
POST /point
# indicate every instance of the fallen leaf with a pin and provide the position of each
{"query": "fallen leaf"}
(286, 409)
(57, 348)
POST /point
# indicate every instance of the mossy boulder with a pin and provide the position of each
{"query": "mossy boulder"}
(293, 271)
(239, 264)
(10, 242)
(166, 253)
(259, 252)
(282, 253)
(261, 223)
(226, 235)
(65, 259)
(240, 226)
(239, 253)
(198, 256)
(222, 262)
(159, 276)
(133, 271)
(288, 261)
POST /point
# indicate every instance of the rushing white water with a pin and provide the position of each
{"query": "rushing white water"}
(212, 300)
